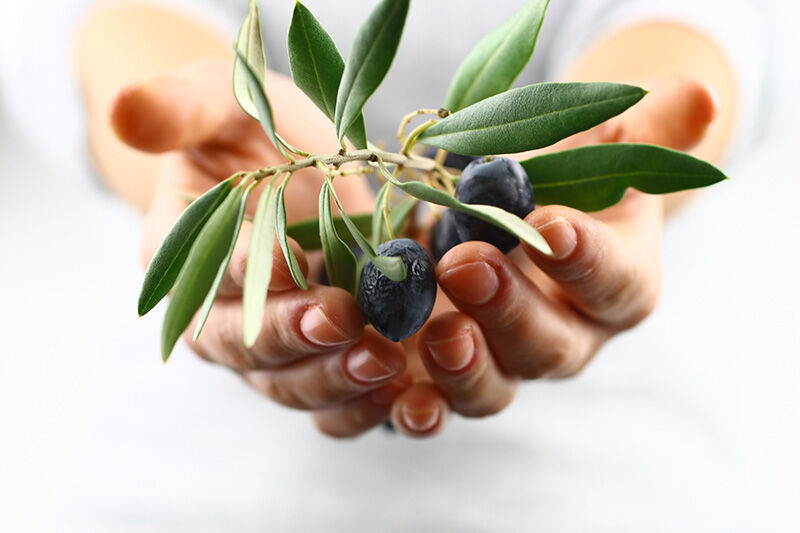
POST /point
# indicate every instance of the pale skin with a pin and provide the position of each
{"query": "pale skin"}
(499, 319)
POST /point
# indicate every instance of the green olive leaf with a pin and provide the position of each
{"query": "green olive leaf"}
(258, 273)
(166, 264)
(378, 221)
(391, 266)
(317, 67)
(371, 56)
(288, 253)
(489, 213)
(200, 269)
(260, 101)
(223, 267)
(493, 65)
(250, 44)
(530, 117)
(340, 263)
(592, 178)
(306, 232)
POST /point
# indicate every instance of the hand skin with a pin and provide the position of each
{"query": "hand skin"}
(500, 319)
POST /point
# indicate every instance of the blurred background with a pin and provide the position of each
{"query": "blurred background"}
(66, 303)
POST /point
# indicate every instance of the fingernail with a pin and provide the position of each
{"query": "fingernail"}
(420, 420)
(280, 279)
(367, 367)
(318, 328)
(453, 354)
(472, 283)
(560, 235)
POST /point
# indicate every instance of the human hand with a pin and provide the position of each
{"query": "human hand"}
(528, 316)
(313, 352)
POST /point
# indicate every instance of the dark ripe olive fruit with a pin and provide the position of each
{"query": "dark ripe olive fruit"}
(500, 182)
(398, 309)
(444, 235)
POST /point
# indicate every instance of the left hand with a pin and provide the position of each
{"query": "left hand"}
(527, 316)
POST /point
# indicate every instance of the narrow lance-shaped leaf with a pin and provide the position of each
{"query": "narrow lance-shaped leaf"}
(591, 178)
(200, 269)
(250, 44)
(340, 263)
(493, 65)
(166, 264)
(370, 57)
(264, 111)
(259, 265)
(489, 213)
(530, 117)
(288, 253)
(391, 266)
(317, 67)
(223, 267)
(378, 222)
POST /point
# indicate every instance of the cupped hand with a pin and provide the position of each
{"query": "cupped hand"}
(504, 317)
(313, 352)
(526, 316)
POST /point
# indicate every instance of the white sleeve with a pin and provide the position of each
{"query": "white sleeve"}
(739, 27)
(39, 94)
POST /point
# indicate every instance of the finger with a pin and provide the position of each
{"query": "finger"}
(296, 324)
(334, 378)
(420, 411)
(675, 113)
(281, 279)
(183, 108)
(598, 271)
(530, 335)
(461, 365)
(362, 414)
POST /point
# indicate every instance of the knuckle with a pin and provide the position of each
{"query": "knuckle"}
(236, 355)
(335, 385)
(278, 390)
(585, 269)
(554, 360)
(628, 302)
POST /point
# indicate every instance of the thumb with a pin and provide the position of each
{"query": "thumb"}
(675, 114)
(183, 108)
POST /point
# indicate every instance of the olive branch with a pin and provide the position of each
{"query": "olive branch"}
(481, 116)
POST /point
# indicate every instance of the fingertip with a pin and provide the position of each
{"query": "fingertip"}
(420, 411)
(140, 119)
(456, 354)
(374, 359)
(334, 319)
(447, 344)
(701, 99)
(282, 278)
(471, 272)
(557, 229)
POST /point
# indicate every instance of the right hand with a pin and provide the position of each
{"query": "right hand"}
(313, 352)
